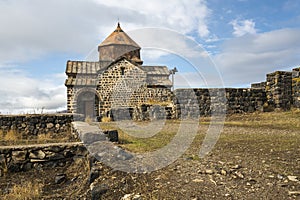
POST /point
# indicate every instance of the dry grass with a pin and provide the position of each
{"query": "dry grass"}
(88, 120)
(11, 135)
(3, 166)
(25, 191)
(106, 119)
(43, 138)
(276, 120)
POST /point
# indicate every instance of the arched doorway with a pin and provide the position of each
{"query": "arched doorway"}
(88, 104)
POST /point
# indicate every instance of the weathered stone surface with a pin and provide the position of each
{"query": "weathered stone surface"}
(49, 125)
(19, 156)
(27, 166)
(24, 158)
(2, 158)
(279, 90)
(223, 172)
(60, 178)
(112, 135)
(81, 151)
(293, 178)
(55, 149)
(209, 171)
(91, 137)
(55, 156)
(98, 190)
(35, 124)
(295, 193)
(94, 174)
(132, 197)
(37, 154)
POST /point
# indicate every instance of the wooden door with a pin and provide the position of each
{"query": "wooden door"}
(89, 109)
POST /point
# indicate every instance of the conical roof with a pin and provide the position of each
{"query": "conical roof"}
(119, 37)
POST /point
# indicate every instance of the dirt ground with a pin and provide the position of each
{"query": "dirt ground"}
(248, 162)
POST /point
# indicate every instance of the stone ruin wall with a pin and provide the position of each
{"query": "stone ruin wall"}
(296, 87)
(239, 100)
(35, 124)
(280, 91)
(24, 158)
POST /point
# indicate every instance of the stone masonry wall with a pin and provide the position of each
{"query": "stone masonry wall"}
(32, 125)
(117, 90)
(279, 90)
(237, 101)
(193, 103)
(144, 112)
(296, 87)
(24, 158)
(261, 85)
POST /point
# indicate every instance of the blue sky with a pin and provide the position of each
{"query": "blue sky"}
(245, 39)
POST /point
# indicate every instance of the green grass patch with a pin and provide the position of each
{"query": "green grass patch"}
(261, 121)
(135, 144)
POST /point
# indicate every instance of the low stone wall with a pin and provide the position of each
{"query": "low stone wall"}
(143, 112)
(35, 124)
(296, 87)
(23, 158)
(234, 100)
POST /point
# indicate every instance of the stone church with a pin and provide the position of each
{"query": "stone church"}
(118, 80)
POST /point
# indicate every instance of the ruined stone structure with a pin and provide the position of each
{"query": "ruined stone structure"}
(117, 80)
(296, 87)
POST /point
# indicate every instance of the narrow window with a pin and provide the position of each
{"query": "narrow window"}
(122, 70)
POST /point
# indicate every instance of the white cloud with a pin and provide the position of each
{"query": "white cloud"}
(34, 28)
(197, 80)
(181, 15)
(248, 59)
(243, 27)
(22, 93)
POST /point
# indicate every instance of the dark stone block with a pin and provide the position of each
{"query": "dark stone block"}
(60, 178)
(112, 135)
(89, 138)
(98, 190)
(94, 174)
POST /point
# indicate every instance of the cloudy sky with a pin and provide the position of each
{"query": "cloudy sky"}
(245, 39)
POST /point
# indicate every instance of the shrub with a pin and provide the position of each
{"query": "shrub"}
(106, 119)
(88, 119)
